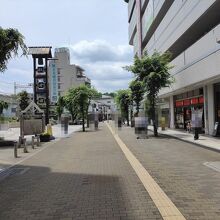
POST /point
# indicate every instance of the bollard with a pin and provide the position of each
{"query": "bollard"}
(16, 149)
(25, 146)
(38, 140)
(32, 142)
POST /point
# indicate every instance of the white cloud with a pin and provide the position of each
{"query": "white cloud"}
(99, 51)
(104, 63)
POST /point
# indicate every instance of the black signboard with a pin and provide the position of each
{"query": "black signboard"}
(216, 129)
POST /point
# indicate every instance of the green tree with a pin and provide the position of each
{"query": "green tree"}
(3, 105)
(112, 94)
(154, 72)
(79, 99)
(24, 100)
(123, 101)
(70, 105)
(10, 42)
(137, 93)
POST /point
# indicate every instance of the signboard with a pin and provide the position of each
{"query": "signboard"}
(33, 126)
(194, 101)
(53, 82)
(186, 102)
(201, 100)
(216, 129)
(197, 118)
(179, 103)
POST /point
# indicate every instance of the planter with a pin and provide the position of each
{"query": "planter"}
(4, 143)
(44, 138)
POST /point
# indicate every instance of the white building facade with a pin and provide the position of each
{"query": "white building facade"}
(63, 75)
(190, 30)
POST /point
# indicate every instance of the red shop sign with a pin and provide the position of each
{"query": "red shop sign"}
(179, 103)
(194, 101)
(186, 102)
(201, 100)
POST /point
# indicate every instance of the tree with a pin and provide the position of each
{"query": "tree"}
(137, 93)
(154, 72)
(3, 105)
(79, 98)
(10, 42)
(112, 94)
(24, 100)
(69, 103)
(123, 101)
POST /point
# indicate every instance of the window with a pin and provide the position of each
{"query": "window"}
(13, 110)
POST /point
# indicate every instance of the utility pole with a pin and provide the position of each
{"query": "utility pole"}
(16, 86)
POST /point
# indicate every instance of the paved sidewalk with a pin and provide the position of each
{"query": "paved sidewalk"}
(203, 141)
(14, 133)
(85, 176)
(7, 153)
(181, 171)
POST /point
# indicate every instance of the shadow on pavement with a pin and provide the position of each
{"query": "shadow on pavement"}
(39, 193)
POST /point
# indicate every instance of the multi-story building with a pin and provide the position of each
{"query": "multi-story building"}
(64, 75)
(190, 30)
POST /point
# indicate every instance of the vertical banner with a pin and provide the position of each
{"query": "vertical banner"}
(53, 82)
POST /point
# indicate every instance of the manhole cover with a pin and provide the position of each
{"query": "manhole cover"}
(12, 172)
(213, 165)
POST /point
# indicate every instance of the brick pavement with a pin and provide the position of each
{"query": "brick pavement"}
(82, 177)
(178, 168)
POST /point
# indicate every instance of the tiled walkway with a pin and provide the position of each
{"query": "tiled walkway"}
(179, 169)
(82, 177)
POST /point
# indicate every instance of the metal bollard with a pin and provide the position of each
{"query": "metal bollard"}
(25, 146)
(38, 140)
(16, 149)
(32, 142)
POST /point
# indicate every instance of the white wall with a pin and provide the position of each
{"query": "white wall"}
(181, 15)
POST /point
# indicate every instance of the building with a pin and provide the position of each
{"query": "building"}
(105, 105)
(63, 75)
(11, 111)
(190, 30)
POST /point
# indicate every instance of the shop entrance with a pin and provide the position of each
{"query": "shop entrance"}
(184, 105)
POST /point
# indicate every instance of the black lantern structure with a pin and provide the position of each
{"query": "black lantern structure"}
(40, 56)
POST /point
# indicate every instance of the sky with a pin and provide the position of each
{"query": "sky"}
(96, 31)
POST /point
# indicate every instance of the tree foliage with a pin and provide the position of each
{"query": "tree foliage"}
(112, 94)
(137, 93)
(77, 101)
(153, 71)
(24, 100)
(10, 42)
(3, 105)
(123, 101)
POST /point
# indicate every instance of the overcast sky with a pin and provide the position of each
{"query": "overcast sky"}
(96, 31)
